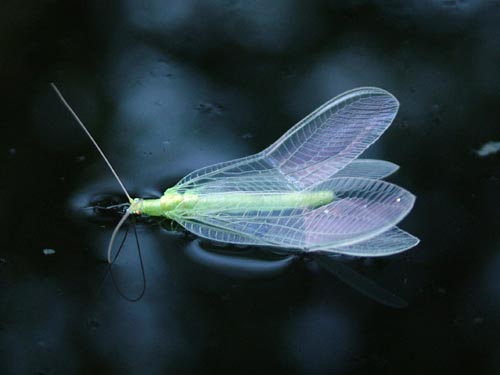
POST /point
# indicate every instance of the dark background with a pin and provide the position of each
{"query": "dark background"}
(170, 86)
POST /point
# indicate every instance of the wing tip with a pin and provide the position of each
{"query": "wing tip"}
(374, 91)
(410, 241)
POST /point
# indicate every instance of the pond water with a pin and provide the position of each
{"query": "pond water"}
(169, 87)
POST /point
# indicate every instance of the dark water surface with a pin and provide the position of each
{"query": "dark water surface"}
(170, 86)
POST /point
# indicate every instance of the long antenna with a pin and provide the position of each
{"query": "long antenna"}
(91, 138)
(113, 236)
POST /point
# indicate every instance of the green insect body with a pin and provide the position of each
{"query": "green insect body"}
(183, 205)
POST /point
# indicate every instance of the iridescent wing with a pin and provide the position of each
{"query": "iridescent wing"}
(317, 154)
(392, 241)
(368, 168)
(313, 150)
(363, 210)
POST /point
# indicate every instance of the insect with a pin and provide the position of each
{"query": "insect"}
(307, 192)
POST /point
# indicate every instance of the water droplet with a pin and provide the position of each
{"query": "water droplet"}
(48, 251)
(488, 148)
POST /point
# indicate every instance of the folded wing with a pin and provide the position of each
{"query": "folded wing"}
(362, 209)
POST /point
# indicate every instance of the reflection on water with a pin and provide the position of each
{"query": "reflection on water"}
(238, 263)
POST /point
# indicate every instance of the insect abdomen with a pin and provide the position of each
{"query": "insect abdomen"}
(190, 204)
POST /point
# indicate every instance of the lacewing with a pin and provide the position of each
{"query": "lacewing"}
(307, 192)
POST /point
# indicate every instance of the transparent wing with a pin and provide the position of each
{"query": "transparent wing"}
(368, 168)
(362, 209)
(333, 135)
(316, 148)
(392, 241)
(272, 181)
(220, 234)
(266, 181)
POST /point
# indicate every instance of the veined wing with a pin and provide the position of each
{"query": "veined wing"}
(246, 167)
(368, 168)
(265, 181)
(362, 209)
(220, 234)
(272, 181)
(390, 242)
(332, 136)
(317, 147)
